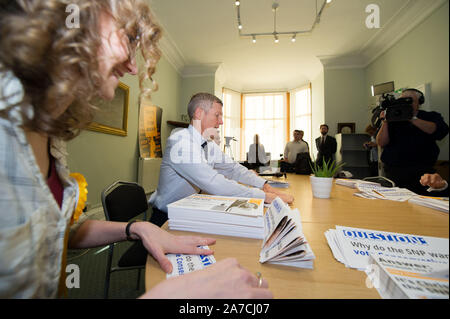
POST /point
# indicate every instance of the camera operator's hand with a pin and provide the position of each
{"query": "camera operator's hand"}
(383, 134)
(433, 180)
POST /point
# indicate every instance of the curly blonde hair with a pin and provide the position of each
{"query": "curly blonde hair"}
(56, 64)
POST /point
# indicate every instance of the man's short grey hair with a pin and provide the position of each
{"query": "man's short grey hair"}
(203, 100)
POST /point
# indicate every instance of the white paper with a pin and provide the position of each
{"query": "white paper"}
(400, 278)
(356, 245)
(184, 264)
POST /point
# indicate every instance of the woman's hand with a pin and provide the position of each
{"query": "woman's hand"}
(158, 243)
(225, 279)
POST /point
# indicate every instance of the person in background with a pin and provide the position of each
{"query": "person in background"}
(409, 147)
(292, 149)
(326, 146)
(257, 154)
(193, 163)
(49, 73)
(373, 150)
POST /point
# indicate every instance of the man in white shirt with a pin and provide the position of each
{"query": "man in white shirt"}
(298, 145)
(193, 162)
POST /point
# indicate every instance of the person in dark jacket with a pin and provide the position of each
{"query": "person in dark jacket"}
(409, 147)
(326, 146)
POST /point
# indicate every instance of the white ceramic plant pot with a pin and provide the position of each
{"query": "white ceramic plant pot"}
(321, 186)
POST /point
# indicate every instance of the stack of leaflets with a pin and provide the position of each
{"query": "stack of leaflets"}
(353, 246)
(184, 264)
(439, 203)
(352, 183)
(399, 278)
(375, 191)
(221, 215)
(284, 242)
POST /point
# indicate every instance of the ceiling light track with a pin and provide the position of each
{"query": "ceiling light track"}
(275, 33)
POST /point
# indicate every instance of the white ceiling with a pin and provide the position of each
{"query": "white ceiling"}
(201, 36)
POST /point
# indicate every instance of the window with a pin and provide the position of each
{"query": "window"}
(264, 114)
(300, 109)
(231, 121)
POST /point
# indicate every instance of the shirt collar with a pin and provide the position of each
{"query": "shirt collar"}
(198, 138)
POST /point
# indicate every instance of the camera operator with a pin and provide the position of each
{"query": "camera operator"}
(410, 148)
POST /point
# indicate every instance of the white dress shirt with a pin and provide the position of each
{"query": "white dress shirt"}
(261, 154)
(188, 168)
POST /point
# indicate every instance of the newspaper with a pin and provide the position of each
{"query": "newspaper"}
(353, 246)
(229, 216)
(399, 278)
(233, 205)
(278, 184)
(284, 242)
(375, 191)
(184, 264)
(439, 203)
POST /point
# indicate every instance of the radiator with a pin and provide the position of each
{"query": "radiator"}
(148, 173)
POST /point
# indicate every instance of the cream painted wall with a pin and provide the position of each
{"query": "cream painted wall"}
(167, 97)
(317, 108)
(422, 56)
(104, 158)
(190, 86)
(345, 99)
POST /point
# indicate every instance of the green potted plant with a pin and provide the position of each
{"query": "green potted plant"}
(322, 178)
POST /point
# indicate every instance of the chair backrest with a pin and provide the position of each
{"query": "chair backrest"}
(303, 164)
(123, 200)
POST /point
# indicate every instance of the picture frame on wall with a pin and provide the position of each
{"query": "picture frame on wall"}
(112, 116)
(346, 128)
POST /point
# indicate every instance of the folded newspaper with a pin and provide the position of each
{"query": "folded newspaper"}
(184, 264)
(284, 242)
(278, 184)
(396, 278)
(221, 215)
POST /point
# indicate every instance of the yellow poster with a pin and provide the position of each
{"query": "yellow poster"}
(150, 131)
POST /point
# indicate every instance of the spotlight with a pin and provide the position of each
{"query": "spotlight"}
(253, 39)
(276, 39)
(237, 3)
(240, 26)
(293, 38)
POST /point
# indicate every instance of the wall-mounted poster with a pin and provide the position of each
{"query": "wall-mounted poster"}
(150, 131)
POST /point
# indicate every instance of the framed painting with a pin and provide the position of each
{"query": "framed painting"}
(112, 116)
(346, 128)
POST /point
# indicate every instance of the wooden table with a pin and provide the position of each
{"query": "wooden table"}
(329, 278)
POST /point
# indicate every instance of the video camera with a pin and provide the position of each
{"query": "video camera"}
(396, 110)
